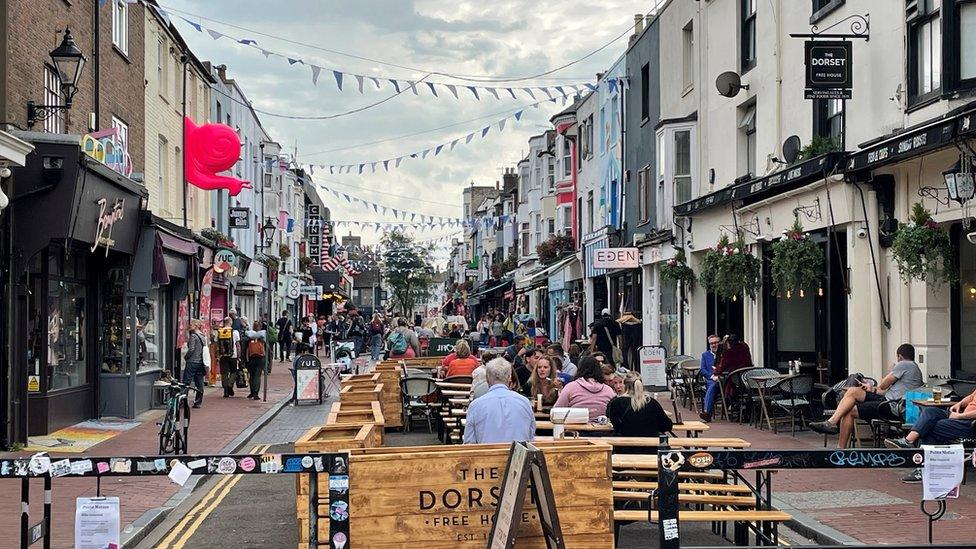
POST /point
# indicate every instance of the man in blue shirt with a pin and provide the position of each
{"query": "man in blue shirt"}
(501, 415)
(711, 386)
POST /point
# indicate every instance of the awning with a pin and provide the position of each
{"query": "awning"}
(588, 250)
(786, 179)
(490, 288)
(540, 277)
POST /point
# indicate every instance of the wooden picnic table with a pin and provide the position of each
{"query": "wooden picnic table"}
(451, 393)
(448, 385)
(676, 442)
(694, 427)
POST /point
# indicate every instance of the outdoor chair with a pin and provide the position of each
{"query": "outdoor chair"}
(831, 397)
(415, 392)
(740, 394)
(754, 397)
(962, 388)
(891, 421)
(692, 386)
(793, 397)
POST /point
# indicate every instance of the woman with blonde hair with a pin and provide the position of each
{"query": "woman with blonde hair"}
(464, 364)
(543, 381)
(635, 413)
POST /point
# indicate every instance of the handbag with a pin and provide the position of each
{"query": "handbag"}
(617, 354)
(205, 353)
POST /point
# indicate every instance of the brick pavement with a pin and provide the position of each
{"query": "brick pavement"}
(826, 494)
(218, 422)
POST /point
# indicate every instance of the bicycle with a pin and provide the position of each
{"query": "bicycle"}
(175, 427)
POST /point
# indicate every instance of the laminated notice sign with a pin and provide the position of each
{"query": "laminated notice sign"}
(942, 471)
(97, 523)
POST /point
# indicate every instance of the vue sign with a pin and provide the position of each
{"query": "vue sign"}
(616, 258)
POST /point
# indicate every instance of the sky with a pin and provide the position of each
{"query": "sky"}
(469, 39)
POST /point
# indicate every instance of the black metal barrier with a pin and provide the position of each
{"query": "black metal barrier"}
(335, 465)
(670, 462)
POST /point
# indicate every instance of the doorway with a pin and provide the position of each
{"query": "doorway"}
(810, 326)
(725, 316)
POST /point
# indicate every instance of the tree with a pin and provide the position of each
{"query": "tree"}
(407, 270)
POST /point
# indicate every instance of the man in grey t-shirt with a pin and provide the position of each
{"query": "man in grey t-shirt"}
(863, 402)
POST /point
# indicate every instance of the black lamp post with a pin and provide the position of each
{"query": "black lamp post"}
(267, 239)
(268, 232)
(68, 61)
(959, 180)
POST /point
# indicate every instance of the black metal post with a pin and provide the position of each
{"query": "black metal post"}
(313, 509)
(24, 512)
(184, 59)
(47, 512)
(667, 502)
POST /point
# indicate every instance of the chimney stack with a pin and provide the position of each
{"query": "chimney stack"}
(638, 24)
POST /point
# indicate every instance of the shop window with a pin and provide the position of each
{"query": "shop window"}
(148, 346)
(747, 34)
(53, 96)
(67, 334)
(924, 49)
(966, 32)
(567, 157)
(645, 92)
(966, 318)
(120, 25)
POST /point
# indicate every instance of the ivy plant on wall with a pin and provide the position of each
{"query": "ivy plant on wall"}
(797, 263)
(922, 249)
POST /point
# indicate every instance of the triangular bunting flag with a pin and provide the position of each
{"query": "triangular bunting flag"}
(197, 26)
(437, 151)
(248, 41)
(453, 89)
(454, 143)
(396, 85)
(529, 91)
(413, 87)
(375, 81)
(315, 73)
(560, 90)
(474, 90)
(432, 89)
(266, 53)
(214, 34)
(547, 92)
(518, 115)
(399, 158)
(359, 82)
(292, 61)
(386, 165)
(484, 131)
(511, 91)
(493, 91)
(501, 124)
(468, 138)
(425, 154)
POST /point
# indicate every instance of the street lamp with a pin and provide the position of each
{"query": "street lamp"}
(484, 261)
(68, 61)
(267, 236)
(268, 232)
(959, 180)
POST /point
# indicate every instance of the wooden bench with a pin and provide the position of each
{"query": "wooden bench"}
(717, 476)
(709, 487)
(637, 515)
(706, 499)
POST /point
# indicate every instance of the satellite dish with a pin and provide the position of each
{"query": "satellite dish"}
(791, 148)
(729, 84)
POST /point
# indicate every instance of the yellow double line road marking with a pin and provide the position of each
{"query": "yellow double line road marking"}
(184, 530)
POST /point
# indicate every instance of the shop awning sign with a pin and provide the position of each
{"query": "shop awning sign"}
(239, 218)
(829, 72)
(311, 292)
(616, 258)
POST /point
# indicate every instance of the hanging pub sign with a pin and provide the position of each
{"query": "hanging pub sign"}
(239, 218)
(829, 72)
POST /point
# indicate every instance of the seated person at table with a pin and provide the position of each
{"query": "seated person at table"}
(587, 390)
(500, 415)
(707, 369)
(864, 402)
(614, 378)
(446, 361)
(464, 364)
(560, 360)
(937, 426)
(514, 352)
(635, 413)
(524, 370)
(543, 381)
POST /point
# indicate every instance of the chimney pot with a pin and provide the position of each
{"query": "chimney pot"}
(638, 23)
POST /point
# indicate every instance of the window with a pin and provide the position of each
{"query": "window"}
(959, 45)
(966, 31)
(590, 212)
(828, 119)
(924, 49)
(121, 137)
(682, 166)
(162, 153)
(566, 217)
(552, 226)
(537, 175)
(747, 140)
(567, 157)
(589, 136)
(120, 25)
(823, 8)
(52, 96)
(643, 194)
(526, 243)
(161, 80)
(538, 229)
(645, 92)
(688, 55)
(747, 34)
(67, 334)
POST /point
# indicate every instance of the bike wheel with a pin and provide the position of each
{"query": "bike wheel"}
(182, 423)
(167, 435)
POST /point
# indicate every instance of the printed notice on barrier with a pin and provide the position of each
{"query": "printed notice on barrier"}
(942, 471)
(97, 523)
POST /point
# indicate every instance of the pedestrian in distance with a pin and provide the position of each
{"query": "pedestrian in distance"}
(228, 343)
(501, 415)
(195, 370)
(376, 331)
(285, 328)
(256, 353)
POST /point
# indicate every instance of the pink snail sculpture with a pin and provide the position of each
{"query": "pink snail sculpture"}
(211, 149)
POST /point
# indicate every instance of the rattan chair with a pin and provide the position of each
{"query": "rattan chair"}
(792, 395)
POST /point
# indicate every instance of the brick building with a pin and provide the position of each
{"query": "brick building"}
(30, 29)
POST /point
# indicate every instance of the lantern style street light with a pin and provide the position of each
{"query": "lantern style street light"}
(959, 180)
(68, 61)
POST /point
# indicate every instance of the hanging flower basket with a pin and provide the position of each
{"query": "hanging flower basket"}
(922, 249)
(797, 263)
(676, 269)
(729, 270)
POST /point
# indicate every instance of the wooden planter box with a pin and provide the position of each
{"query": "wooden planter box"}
(360, 379)
(444, 496)
(390, 402)
(358, 415)
(330, 438)
(361, 393)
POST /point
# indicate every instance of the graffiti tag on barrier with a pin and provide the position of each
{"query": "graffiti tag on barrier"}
(860, 458)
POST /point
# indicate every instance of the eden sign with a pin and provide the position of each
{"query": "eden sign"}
(616, 258)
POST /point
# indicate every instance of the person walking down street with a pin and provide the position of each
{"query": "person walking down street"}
(285, 328)
(357, 330)
(497, 329)
(256, 353)
(404, 342)
(501, 415)
(304, 337)
(320, 325)
(605, 335)
(376, 330)
(195, 369)
(228, 342)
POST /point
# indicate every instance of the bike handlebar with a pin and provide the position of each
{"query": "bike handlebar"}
(184, 386)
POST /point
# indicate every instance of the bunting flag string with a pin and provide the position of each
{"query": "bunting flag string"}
(358, 168)
(397, 84)
(372, 206)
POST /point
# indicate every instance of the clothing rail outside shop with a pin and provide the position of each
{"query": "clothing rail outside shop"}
(763, 462)
(42, 466)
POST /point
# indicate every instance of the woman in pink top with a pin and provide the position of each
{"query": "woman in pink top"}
(587, 390)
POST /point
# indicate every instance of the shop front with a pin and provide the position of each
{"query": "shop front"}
(595, 289)
(662, 308)
(69, 273)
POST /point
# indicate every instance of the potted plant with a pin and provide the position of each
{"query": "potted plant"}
(797, 263)
(922, 249)
(304, 263)
(710, 264)
(676, 269)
